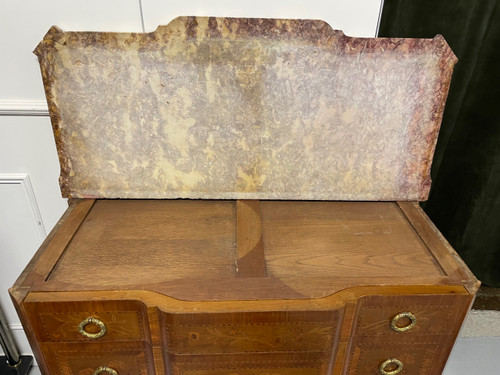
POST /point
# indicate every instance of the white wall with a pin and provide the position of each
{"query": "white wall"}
(354, 17)
(23, 24)
(26, 142)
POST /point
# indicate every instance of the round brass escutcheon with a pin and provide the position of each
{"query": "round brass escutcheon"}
(105, 370)
(95, 321)
(390, 366)
(412, 320)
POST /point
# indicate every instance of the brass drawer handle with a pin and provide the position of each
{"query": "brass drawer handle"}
(97, 322)
(395, 364)
(105, 369)
(410, 325)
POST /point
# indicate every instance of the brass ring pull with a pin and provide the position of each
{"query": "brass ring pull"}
(409, 315)
(389, 362)
(97, 322)
(105, 369)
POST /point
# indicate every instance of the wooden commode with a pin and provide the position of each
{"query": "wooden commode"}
(244, 201)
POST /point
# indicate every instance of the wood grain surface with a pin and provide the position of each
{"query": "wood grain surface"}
(189, 249)
(323, 239)
(139, 242)
(251, 260)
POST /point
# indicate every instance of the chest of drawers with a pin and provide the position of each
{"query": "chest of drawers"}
(307, 254)
(160, 287)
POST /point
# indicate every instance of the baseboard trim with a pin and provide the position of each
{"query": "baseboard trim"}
(23, 108)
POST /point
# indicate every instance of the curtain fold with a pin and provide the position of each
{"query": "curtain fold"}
(465, 197)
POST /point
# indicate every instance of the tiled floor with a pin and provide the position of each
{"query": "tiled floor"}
(475, 356)
(477, 350)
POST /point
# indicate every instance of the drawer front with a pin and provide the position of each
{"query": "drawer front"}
(130, 358)
(250, 332)
(256, 371)
(247, 364)
(411, 315)
(410, 357)
(89, 321)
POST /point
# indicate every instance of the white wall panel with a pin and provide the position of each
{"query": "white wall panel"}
(23, 23)
(27, 146)
(354, 17)
(21, 231)
(19, 234)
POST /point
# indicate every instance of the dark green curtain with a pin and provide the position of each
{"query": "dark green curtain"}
(465, 197)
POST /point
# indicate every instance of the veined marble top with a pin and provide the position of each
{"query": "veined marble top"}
(234, 108)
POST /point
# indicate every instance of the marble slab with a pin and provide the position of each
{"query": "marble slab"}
(233, 108)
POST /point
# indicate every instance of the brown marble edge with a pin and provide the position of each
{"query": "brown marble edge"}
(253, 27)
(446, 64)
(45, 53)
(317, 31)
(421, 166)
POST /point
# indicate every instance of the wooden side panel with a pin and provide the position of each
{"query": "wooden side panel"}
(29, 330)
(42, 264)
(446, 256)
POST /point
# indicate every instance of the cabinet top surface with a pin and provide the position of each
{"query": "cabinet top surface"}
(233, 108)
(190, 249)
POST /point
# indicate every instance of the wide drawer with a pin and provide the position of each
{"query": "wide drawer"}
(256, 332)
(127, 358)
(400, 316)
(89, 321)
(248, 364)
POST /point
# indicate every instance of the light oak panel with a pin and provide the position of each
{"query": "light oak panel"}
(314, 239)
(140, 242)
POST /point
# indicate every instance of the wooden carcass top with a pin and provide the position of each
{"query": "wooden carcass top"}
(234, 108)
(226, 250)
